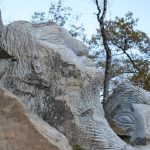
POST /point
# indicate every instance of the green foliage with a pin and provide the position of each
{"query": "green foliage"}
(130, 49)
(38, 17)
(63, 16)
(56, 13)
(142, 78)
(77, 147)
(122, 35)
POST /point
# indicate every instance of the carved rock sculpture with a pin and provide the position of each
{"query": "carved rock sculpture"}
(128, 113)
(20, 130)
(54, 77)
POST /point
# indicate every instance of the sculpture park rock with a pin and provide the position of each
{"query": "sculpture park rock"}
(20, 130)
(51, 72)
(128, 112)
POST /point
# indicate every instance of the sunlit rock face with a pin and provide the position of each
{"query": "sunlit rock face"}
(128, 113)
(21, 130)
(51, 72)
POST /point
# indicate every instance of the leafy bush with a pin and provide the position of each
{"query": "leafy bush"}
(77, 147)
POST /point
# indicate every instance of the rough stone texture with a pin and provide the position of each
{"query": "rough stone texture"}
(128, 112)
(52, 74)
(20, 130)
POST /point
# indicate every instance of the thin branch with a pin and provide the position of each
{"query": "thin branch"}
(99, 11)
(131, 60)
(104, 10)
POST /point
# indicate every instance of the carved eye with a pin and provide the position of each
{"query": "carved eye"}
(124, 119)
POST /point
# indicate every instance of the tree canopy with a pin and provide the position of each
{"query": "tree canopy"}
(63, 16)
(130, 49)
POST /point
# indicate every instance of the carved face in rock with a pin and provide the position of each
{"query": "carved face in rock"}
(128, 113)
(132, 123)
(53, 35)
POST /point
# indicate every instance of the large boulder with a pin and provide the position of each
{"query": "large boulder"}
(20, 130)
(128, 113)
(54, 77)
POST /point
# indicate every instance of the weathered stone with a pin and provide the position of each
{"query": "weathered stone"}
(52, 74)
(128, 112)
(20, 130)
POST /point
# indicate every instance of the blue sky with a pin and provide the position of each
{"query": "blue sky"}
(23, 9)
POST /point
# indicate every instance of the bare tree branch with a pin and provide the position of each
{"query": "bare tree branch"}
(99, 11)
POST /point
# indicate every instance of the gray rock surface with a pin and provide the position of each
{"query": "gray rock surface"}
(128, 112)
(20, 130)
(51, 73)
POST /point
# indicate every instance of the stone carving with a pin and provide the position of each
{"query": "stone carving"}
(20, 130)
(50, 71)
(128, 113)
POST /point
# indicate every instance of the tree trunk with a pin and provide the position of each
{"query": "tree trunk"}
(107, 76)
(100, 18)
(1, 23)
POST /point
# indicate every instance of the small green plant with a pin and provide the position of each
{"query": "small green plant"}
(77, 147)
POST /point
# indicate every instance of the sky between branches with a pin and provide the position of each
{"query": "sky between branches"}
(13, 10)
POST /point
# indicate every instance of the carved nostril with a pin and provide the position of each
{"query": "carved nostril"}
(141, 141)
